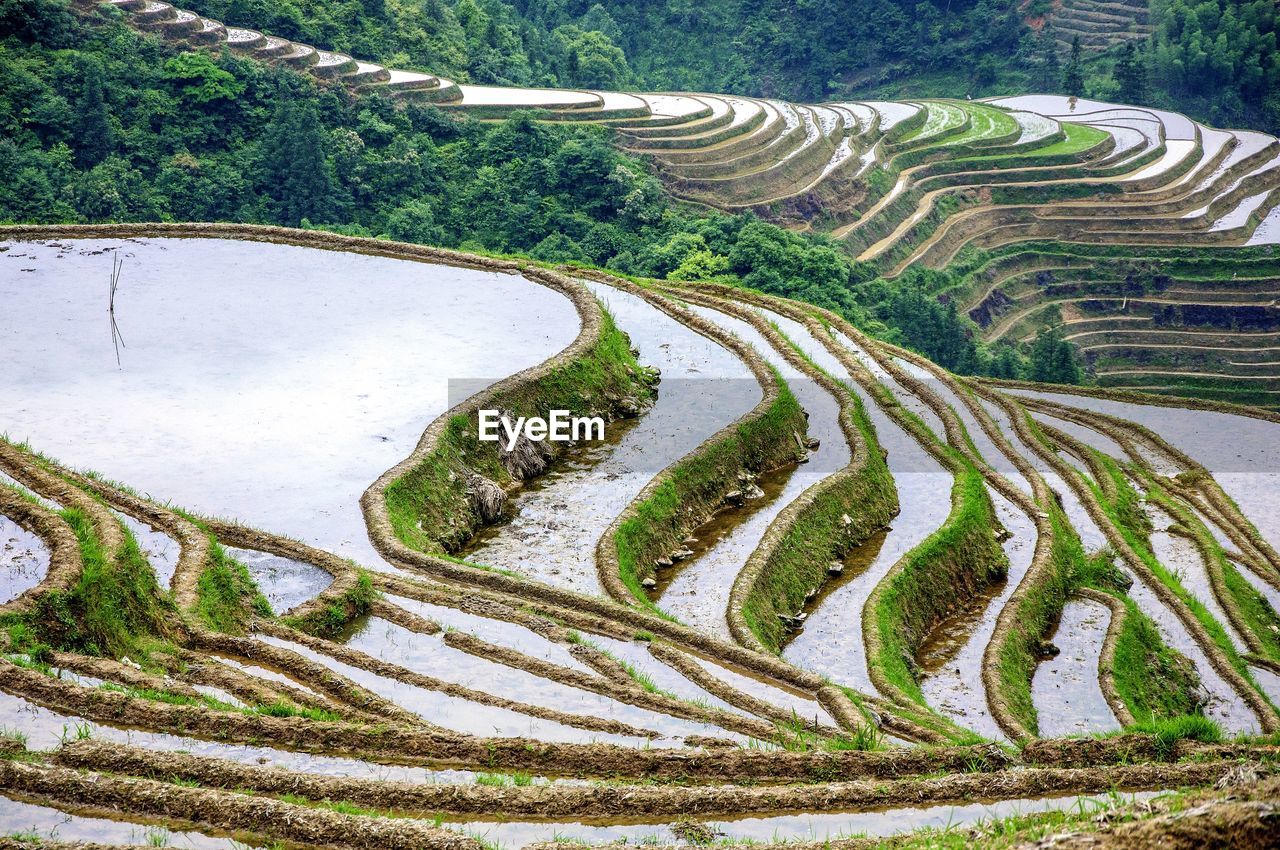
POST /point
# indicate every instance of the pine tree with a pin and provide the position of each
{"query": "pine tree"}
(295, 167)
(1131, 75)
(1073, 76)
(94, 140)
(1053, 360)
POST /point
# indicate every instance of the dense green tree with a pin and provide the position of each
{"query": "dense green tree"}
(594, 61)
(295, 169)
(923, 323)
(598, 19)
(93, 133)
(200, 80)
(1047, 65)
(1053, 360)
(1131, 75)
(1007, 363)
(1219, 56)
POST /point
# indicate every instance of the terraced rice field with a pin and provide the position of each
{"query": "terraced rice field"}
(809, 586)
(1100, 24)
(262, 584)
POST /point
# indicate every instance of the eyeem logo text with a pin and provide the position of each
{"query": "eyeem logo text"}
(560, 427)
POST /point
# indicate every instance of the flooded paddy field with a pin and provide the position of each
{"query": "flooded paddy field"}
(240, 392)
(786, 828)
(1247, 465)
(699, 592)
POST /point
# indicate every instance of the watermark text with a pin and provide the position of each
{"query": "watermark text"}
(561, 426)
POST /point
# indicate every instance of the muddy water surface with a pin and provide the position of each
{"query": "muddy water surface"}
(699, 593)
(1225, 705)
(8, 481)
(1091, 537)
(267, 382)
(1088, 436)
(635, 654)
(45, 730)
(790, 827)
(1265, 589)
(24, 560)
(286, 582)
(800, 705)
(431, 656)
(557, 521)
(1182, 558)
(985, 446)
(1065, 689)
(160, 550)
(450, 712)
(952, 682)
(39, 823)
(493, 630)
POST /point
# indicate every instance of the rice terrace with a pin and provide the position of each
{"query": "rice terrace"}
(857, 473)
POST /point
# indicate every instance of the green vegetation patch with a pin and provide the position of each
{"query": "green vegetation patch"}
(330, 620)
(849, 509)
(226, 595)
(955, 563)
(115, 608)
(1036, 613)
(1126, 512)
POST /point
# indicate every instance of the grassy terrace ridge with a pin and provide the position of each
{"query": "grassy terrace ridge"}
(825, 522)
(799, 562)
(433, 506)
(955, 562)
(694, 488)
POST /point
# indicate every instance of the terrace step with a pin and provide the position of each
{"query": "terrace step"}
(210, 32)
(181, 25)
(727, 122)
(299, 56)
(367, 73)
(694, 116)
(151, 14)
(715, 159)
(444, 91)
(244, 39)
(272, 48)
(128, 5)
(331, 65)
